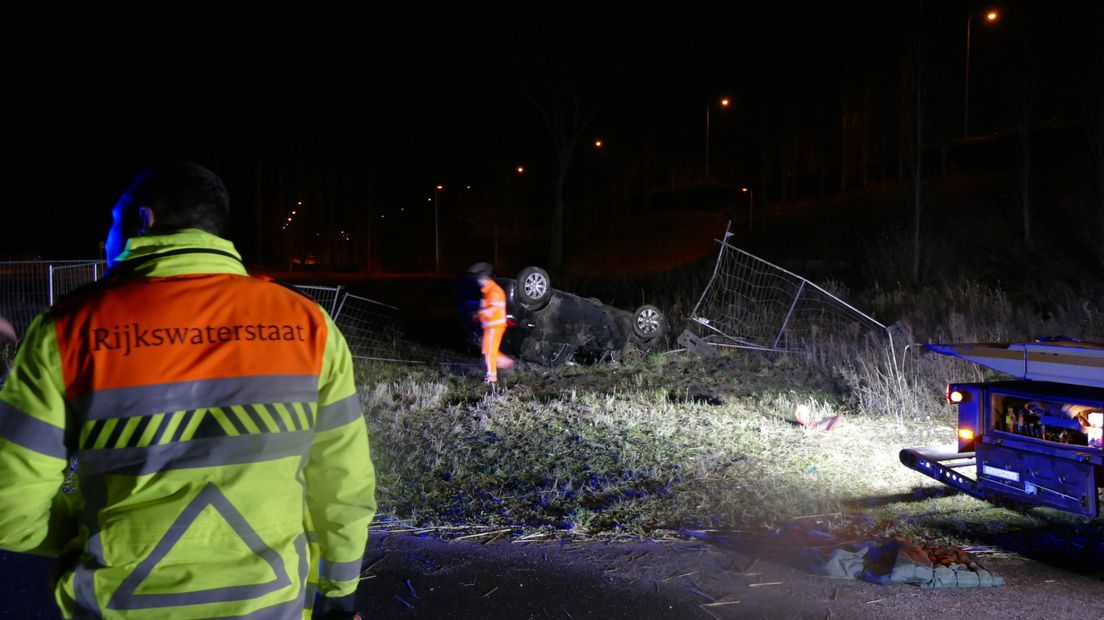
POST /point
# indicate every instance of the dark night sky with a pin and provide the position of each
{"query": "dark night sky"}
(428, 92)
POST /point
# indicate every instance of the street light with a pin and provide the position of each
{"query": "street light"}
(724, 104)
(751, 206)
(436, 236)
(990, 16)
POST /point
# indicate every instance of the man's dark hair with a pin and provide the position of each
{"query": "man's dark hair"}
(181, 196)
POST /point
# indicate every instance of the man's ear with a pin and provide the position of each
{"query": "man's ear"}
(147, 219)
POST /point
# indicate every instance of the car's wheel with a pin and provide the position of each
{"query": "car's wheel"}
(648, 323)
(534, 289)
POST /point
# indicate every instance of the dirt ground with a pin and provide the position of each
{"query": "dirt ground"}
(410, 576)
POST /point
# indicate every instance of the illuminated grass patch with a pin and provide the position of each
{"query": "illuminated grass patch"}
(634, 457)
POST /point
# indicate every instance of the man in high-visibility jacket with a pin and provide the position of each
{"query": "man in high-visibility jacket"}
(492, 317)
(222, 464)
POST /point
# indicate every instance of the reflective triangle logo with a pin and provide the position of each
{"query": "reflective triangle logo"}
(125, 596)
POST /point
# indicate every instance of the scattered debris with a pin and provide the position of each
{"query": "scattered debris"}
(495, 534)
(414, 556)
(700, 593)
(710, 613)
(754, 561)
(364, 573)
(695, 345)
(804, 416)
(856, 547)
(898, 561)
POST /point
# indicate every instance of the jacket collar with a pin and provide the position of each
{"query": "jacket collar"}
(182, 252)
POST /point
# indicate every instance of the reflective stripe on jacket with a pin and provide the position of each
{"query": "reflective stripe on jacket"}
(221, 452)
(492, 307)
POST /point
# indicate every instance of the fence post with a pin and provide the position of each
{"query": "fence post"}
(50, 285)
(339, 303)
(786, 321)
(716, 268)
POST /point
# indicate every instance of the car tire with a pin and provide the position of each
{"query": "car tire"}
(534, 288)
(648, 323)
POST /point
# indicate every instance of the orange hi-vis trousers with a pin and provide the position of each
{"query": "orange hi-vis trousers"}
(492, 338)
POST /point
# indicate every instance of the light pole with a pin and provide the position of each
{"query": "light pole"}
(724, 104)
(990, 16)
(751, 207)
(436, 236)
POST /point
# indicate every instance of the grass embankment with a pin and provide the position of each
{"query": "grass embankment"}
(674, 442)
(629, 455)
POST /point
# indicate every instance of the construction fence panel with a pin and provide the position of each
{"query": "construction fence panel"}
(751, 303)
(65, 279)
(29, 287)
(326, 296)
(373, 330)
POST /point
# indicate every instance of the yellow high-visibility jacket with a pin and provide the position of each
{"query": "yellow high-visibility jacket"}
(222, 463)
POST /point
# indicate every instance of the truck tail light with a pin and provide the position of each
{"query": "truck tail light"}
(966, 434)
(956, 396)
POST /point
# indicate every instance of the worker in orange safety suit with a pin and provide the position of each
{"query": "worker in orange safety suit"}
(492, 317)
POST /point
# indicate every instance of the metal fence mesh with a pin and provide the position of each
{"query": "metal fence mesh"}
(751, 303)
(326, 296)
(29, 287)
(372, 329)
(65, 279)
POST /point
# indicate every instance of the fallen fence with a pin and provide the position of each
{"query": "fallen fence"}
(751, 303)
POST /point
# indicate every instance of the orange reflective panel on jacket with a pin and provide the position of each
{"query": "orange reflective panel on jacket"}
(194, 334)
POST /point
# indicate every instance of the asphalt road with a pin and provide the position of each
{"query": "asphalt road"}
(408, 576)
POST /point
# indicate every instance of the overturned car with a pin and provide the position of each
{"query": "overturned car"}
(551, 327)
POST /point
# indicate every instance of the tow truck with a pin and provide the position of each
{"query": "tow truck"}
(1034, 440)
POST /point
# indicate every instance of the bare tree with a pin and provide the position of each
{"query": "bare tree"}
(560, 89)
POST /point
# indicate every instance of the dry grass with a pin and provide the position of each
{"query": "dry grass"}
(633, 460)
(907, 382)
